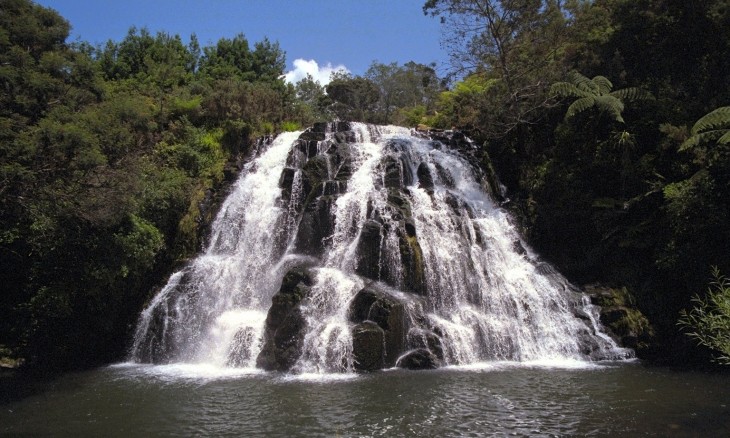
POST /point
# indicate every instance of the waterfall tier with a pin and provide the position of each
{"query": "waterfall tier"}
(360, 247)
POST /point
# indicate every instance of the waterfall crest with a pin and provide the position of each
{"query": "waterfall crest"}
(360, 247)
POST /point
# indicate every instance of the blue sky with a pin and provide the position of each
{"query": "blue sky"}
(318, 33)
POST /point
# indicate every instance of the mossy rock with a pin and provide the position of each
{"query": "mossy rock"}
(414, 277)
(620, 315)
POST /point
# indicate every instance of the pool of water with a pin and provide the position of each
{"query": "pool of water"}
(494, 399)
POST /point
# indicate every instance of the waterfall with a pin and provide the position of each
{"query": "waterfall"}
(359, 247)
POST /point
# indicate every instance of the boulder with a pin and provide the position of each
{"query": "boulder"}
(367, 346)
(284, 328)
(419, 359)
(425, 179)
(388, 313)
(421, 338)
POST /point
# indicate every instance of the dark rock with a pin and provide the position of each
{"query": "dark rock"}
(425, 180)
(316, 227)
(312, 136)
(420, 338)
(284, 328)
(308, 148)
(444, 176)
(360, 304)
(286, 180)
(389, 313)
(628, 326)
(418, 359)
(369, 249)
(313, 173)
(320, 127)
(345, 137)
(342, 126)
(367, 346)
(392, 172)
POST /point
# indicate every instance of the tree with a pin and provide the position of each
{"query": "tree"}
(596, 93)
(233, 58)
(521, 43)
(354, 98)
(408, 86)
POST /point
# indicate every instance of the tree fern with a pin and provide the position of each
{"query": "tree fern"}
(632, 94)
(717, 119)
(580, 105)
(596, 93)
(712, 127)
(604, 85)
(611, 105)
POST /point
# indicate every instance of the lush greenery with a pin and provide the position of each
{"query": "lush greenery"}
(709, 319)
(110, 158)
(607, 178)
(607, 120)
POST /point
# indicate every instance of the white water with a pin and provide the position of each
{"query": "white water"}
(488, 301)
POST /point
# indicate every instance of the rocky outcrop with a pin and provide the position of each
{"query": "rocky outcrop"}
(285, 324)
(419, 359)
(618, 313)
(368, 346)
(373, 306)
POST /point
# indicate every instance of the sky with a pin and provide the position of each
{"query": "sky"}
(318, 36)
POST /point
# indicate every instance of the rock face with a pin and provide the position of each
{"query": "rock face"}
(376, 308)
(284, 327)
(368, 346)
(620, 315)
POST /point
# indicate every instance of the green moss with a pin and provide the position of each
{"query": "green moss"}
(412, 259)
(620, 315)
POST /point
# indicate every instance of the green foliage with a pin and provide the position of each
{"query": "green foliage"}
(402, 87)
(596, 92)
(610, 192)
(712, 127)
(289, 126)
(708, 322)
(110, 162)
(354, 98)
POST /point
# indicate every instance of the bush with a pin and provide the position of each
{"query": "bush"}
(708, 322)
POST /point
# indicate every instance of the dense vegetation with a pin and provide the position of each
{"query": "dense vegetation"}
(624, 178)
(607, 120)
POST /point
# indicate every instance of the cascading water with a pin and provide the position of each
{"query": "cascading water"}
(359, 247)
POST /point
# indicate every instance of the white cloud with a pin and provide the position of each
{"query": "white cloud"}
(321, 74)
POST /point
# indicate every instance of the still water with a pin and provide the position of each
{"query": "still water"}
(502, 399)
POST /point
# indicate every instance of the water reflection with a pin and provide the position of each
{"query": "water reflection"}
(495, 400)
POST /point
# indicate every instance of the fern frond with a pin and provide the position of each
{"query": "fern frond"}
(632, 94)
(725, 139)
(604, 85)
(582, 82)
(579, 106)
(611, 105)
(566, 89)
(704, 137)
(719, 118)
